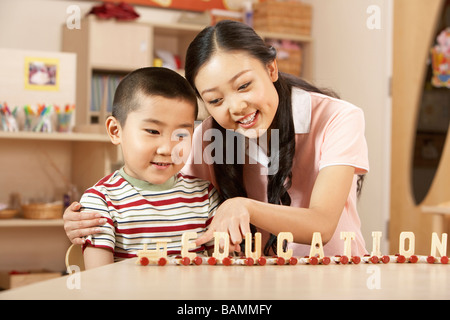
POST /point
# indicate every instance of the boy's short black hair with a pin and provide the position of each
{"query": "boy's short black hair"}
(150, 81)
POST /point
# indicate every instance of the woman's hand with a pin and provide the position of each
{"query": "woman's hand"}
(79, 224)
(233, 217)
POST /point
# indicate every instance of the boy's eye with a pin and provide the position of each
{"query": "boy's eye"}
(153, 132)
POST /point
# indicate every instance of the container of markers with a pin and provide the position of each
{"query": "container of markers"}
(65, 118)
(38, 118)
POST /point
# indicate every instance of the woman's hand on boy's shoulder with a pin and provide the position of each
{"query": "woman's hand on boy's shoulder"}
(80, 224)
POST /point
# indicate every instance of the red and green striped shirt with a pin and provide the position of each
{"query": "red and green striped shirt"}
(138, 212)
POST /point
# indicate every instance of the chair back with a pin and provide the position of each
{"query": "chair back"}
(74, 256)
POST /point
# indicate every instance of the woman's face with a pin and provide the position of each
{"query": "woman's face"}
(238, 92)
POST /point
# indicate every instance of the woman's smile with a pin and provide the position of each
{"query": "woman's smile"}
(249, 120)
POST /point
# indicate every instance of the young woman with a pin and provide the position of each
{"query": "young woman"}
(305, 150)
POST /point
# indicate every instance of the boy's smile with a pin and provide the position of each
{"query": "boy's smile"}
(156, 138)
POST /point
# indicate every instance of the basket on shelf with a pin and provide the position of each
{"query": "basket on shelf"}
(283, 17)
(42, 211)
(8, 213)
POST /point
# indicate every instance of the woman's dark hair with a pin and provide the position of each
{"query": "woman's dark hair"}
(229, 35)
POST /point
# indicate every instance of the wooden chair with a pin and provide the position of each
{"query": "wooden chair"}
(74, 256)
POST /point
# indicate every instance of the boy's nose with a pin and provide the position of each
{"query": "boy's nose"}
(164, 147)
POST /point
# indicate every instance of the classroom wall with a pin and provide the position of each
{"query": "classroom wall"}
(349, 57)
(353, 57)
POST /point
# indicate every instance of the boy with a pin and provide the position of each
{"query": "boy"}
(153, 121)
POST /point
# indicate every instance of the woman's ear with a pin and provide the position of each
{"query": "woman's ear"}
(273, 70)
(114, 130)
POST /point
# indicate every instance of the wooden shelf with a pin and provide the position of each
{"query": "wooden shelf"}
(18, 222)
(73, 136)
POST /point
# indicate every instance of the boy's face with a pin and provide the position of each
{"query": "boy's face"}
(156, 138)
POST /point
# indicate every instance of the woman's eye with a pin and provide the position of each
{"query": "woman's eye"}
(215, 101)
(244, 86)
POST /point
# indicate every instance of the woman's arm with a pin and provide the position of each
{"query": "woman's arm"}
(80, 224)
(97, 257)
(330, 192)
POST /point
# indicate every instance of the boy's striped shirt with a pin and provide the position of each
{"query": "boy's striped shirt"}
(138, 212)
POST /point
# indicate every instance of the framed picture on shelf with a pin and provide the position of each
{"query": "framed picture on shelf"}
(41, 74)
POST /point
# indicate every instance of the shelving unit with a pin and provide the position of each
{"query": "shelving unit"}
(120, 47)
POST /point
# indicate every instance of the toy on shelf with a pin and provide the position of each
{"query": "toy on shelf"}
(440, 54)
(221, 256)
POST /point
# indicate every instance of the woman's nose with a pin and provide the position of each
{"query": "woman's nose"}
(237, 107)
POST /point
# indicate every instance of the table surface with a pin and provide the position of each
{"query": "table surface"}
(126, 280)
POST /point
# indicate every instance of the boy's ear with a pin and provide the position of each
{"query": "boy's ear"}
(273, 70)
(114, 130)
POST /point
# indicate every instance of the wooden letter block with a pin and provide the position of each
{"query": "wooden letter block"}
(410, 236)
(376, 236)
(316, 246)
(248, 246)
(186, 245)
(161, 247)
(440, 246)
(347, 237)
(226, 247)
(282, 236)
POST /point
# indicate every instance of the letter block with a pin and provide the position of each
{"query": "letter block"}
(316, 246)
(186, 245)
(410, 236)
(282, 236)
(440, 246)
(226, 248)
(347, 237)
(256, 254)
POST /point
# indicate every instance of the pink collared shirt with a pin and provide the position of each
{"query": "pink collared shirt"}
(328, 132)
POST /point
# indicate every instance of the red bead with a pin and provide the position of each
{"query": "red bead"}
(444, 259)
(226, 261)
(249, 261)
(144, 261)
(280, 261)
(293, 261)
(262, 261)
(430, 259)
(413, 259)
(212, 261)
(374, 259)
(356, 259)
(313, 261)
(344, 259)
(162, 262)
(401, 259)
(326, 260)
(385, 259)
(185, 261)
(198, 261)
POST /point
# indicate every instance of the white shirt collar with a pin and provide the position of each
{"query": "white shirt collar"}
(301, 110)
(301, 113)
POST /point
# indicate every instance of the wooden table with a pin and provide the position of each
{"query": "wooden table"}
(126, 280)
